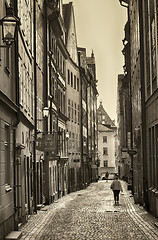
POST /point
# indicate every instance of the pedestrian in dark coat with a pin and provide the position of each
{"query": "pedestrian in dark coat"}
(107, 176)
(116, 187)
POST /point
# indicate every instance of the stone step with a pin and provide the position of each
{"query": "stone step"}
(13, 235)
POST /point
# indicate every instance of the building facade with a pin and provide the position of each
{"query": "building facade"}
(73, 99)
(8, 122)
(106, 142)
(92, 94)
(40, 112)
(89, 127)
(142, 16)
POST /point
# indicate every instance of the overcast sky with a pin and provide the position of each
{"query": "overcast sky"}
(100, 26)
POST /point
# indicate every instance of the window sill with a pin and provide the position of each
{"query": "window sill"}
(7, 188)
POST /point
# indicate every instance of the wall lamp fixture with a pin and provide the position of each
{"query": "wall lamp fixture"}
(10, 25)
(45, 112)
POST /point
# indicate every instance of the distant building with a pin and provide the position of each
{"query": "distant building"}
(73, 97)
(89, 137)
(106, 142)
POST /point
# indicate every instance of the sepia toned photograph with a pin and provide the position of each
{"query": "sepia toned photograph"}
(78, 119)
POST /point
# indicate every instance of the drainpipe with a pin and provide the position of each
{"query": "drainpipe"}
(16, 184)
(81, 125)
(45, 93)
(35, 114)
(142, 76)
(125, 3)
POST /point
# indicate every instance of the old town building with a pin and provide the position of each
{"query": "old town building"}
(8, 122)
(106, 142)
(92, 94)
(142, 17)
(89, 134)
(73, 99)
(41, 125)
(56, 169)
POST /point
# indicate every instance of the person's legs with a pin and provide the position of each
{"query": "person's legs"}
(115, 195)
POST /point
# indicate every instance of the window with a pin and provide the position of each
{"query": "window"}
(106, 163)
(77, 84)
(72, 115)
(71, 79)
(74, 82)
(69, 109)
(104, 139)
(68, 76)
(7, 154)
(105, 151)
(63, 67)
(75, 113)
(53, 86)
(153, 49)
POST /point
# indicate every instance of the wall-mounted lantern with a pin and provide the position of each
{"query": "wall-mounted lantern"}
(45, 113)
(67, 135)
(10, 25)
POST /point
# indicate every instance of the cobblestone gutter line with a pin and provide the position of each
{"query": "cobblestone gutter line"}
(147, 227)
(39, 221)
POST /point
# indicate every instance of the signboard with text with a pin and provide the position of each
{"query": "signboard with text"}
(47, 143)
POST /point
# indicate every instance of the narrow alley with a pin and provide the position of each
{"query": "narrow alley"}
(90, 214)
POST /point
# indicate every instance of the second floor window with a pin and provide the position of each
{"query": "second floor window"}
(105, 151)
(104, 139)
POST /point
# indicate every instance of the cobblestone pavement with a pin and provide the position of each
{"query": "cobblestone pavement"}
(90, 214)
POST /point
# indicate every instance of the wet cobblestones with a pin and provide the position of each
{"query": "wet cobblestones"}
(89, 215)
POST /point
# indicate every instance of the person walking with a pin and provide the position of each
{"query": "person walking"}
(107, 176)
(116, 187)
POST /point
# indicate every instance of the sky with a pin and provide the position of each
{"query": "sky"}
(100, 26)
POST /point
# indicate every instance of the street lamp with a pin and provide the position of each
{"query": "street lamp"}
(45, 112)
(67, 135)
(10, 25)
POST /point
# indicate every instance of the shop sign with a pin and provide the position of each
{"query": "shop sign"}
(47, 143)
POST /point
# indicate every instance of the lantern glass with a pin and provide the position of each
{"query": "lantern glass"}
(8, 29)
(45, 112)
(67, 135)
(10, 24)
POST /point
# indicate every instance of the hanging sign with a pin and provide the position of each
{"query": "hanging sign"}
(47, 143)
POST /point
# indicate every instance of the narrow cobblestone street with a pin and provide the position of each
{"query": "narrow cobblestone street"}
(90, 214)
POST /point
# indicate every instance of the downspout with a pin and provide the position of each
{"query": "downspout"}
(126, 5)
(46, 162)
(81, 128)
(35, 113)
(16, 184)
(142, 77)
